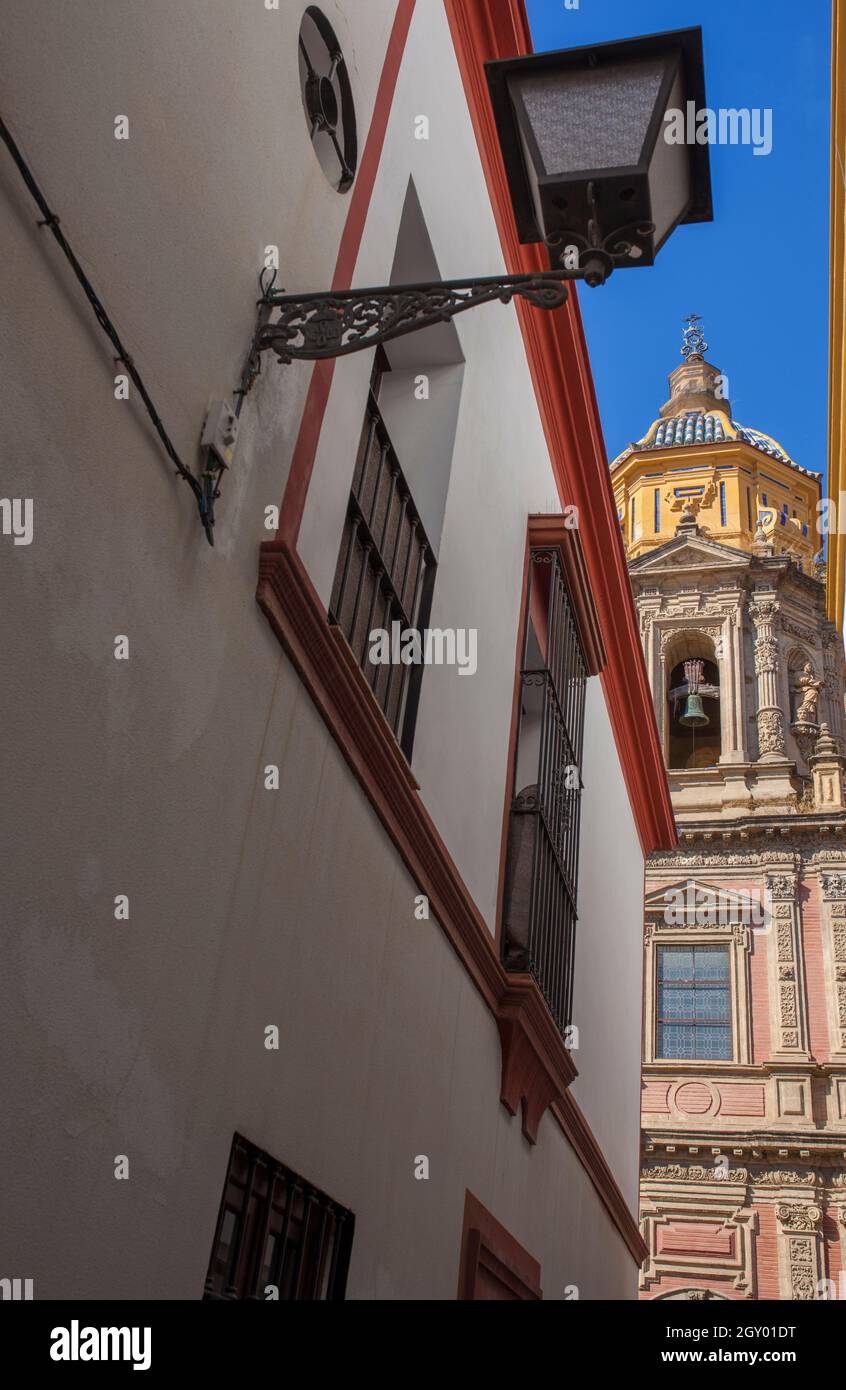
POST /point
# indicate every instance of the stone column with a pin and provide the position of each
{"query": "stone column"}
(799, 1250)
(832, 650)
(833, 887)
(733, 687)
(789, 1025)
(648, 610)
(839, 1214)
(771, 745)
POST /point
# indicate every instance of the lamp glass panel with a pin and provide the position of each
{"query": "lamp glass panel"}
(669, 173)
(593, 119)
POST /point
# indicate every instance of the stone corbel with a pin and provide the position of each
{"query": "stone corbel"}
(536, 1067)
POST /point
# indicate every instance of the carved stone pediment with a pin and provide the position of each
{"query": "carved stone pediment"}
(692, 902)
(690, 552)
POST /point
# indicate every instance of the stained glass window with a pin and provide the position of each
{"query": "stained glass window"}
(693, 1003)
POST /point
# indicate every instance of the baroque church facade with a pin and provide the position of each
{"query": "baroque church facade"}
(743, 1162)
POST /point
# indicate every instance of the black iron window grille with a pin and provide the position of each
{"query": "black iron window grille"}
(385, 572)
(277, 1236)
(543, 848)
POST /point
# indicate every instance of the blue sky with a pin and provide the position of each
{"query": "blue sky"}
(758, 274)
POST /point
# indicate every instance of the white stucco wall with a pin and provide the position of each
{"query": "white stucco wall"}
(608, 1002)
(144, 777)
(500, 470)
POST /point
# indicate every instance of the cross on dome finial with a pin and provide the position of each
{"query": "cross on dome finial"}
(693, 338)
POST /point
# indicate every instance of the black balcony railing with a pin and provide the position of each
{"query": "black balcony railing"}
(543, 852)
(385, 572)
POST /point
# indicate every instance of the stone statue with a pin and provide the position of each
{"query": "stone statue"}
(808, 683)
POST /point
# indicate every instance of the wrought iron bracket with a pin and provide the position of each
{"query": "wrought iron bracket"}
(314, 327)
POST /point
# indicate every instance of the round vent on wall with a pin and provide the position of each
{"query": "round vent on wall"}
(694, 1098)
(327, 99)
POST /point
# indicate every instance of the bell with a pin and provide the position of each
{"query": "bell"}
(694, 716)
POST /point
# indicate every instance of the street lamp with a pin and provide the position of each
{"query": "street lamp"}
(590, 165)
(591, 173)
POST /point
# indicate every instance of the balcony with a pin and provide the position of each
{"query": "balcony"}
(543, 845)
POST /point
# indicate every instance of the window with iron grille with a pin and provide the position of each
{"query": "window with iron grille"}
(693, 1007)
(543, 848)
(386, 568)
(275, 1230)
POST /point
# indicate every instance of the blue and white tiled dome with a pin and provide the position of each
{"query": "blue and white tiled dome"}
(699, 412)
(693, 428)
(707, 427)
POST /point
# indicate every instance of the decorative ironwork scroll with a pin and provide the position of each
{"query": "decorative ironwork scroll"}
(599, 252)
(312, 327)
(693, 339)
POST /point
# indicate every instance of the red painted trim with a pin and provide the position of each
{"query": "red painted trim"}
(305, 449)
(536, 1067)
(344, 699)
(558, 361)
(547, 531)
(488, 1248)
(550, 531)
(512, 747)
(569, 1116)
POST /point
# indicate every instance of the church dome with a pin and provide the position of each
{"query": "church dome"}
(694, 427)
(698, 466)
(698, 412)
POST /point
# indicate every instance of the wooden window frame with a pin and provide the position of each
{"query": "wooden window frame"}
(547, 809)
(401, 588)
(262, 1194)
(487, 1247)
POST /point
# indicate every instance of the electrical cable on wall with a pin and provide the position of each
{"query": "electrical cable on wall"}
(208, 491)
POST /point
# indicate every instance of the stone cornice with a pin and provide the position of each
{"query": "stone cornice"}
(804, 1151)
(755, 842)
(771, 1182)
(660, 564)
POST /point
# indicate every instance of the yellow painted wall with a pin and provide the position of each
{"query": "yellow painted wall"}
(695, 473)
(837, 316)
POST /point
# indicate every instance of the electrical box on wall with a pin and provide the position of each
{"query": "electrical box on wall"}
(220, 431)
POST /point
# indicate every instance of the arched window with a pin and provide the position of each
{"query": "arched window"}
(693, 703)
